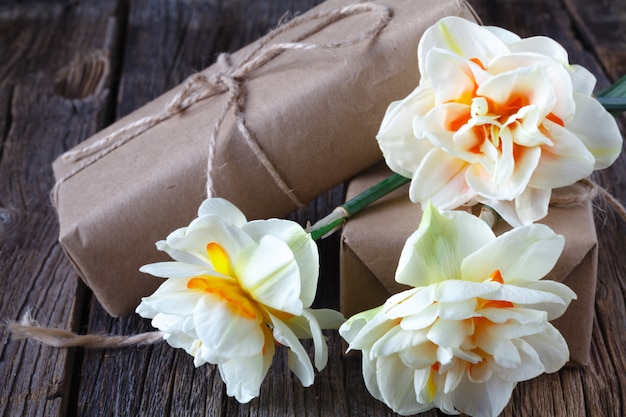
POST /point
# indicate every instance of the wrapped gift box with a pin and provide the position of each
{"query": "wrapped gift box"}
(313, 114)
(372, 241)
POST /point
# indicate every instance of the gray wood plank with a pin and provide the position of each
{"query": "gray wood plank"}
(43, 111)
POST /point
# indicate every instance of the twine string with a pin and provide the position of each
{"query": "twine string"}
(201, 86)
(27, 328)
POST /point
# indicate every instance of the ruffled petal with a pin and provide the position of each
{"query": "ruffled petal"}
(395, 382)
(297, 357)
(224, 209)
(268, 271)
(244, 376)
(451, 76)
(440, 178)
(401, 149)
(225, 332)
(526, 253)
(435, 251)
(485, 399)
(321, 350)
(553, 309)
(177, 270)
(464, 38)
(301, 245)
(528, 207)
(597, 129)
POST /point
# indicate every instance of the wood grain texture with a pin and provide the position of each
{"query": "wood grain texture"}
(38, 122)
(69, 68)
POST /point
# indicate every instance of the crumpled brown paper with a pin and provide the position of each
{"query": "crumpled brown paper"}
(372, 241)
(314, 114)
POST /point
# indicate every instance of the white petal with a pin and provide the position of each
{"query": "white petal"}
(440, 178)
(321, 350)
(486, 399)
(552, 89)
(556, 289)
(525, 253)
(268, 271)
(450, 75)
(402, 150)
(410, 302)
(530, 206)
(450, 333)
(368, 369)
(462, 37)
(421, 320)
(421, 356)
(396, 340)
(529, 367)
(550, 347)
(452, 291)
(531, 85)
(363, 330)
(508, 178)
(518, 314)
(225, 331)
(597, 129)
(302, 246)
(542, 45)
(563, 163)
(223, 209)
(177, 270)
(395, 382)
(326, 318)
(435, 251)
(297, 357)
(583, 80)
(243, 376)
(205, 230)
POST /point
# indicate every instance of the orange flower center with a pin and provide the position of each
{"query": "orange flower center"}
(229, 291)
(238, 300)
(499, 113)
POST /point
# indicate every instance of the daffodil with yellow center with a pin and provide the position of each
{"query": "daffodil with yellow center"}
(475, 323)
(235, 290)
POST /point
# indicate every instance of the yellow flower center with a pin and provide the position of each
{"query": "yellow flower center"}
(239, 301)
(230, 291)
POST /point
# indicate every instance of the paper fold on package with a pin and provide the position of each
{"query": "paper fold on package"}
(313, 114)
(372, 242)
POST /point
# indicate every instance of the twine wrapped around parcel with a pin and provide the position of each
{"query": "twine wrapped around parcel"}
(201, 86)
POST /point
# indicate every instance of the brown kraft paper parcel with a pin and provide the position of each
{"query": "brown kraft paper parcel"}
(313, 114)
(372, 241)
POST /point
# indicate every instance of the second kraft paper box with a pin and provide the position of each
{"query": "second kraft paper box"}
(372, 241)
(313, 113)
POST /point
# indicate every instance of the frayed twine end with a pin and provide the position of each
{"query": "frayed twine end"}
(29, 329)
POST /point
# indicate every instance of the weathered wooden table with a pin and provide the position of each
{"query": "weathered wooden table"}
(55, 92)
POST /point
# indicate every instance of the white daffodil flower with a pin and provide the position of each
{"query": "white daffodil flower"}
(236, 289)
(498, 120)
(475, 323)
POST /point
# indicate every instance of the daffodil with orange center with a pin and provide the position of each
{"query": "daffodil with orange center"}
(236, 289)
(497, 120)
(474, 325)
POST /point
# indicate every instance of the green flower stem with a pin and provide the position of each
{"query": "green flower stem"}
(613, 98)
(335, 220)
(613, 104)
